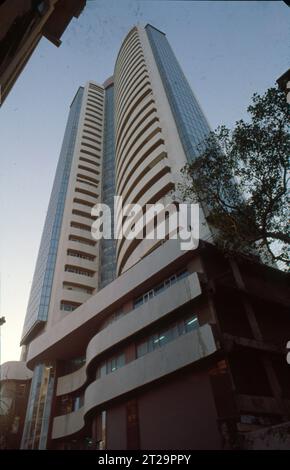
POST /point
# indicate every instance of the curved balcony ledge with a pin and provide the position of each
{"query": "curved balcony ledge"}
(81, 172)
(130, 176)
(68, 424)
(71, 382)
(79, 279)
(141, 317)
(132, 119)
(84, 234)
(158, 169)
(84, 208)
(63, 335)
(93, 190)
(74, 296)
(125, 157)
(177, 354)
(157, 307)
(82, 263)
(87, 249)
(89, 165)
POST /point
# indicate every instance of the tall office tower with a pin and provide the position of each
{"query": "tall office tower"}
(67, 269)
(159, 125)
(136, 343)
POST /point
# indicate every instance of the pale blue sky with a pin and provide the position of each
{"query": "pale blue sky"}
(228, 50)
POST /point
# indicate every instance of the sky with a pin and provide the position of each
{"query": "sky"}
(228, 51)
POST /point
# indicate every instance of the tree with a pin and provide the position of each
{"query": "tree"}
(241, 178)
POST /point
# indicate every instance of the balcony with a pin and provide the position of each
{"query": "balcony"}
(177, 354)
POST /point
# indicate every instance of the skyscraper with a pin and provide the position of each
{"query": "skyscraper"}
(135, 343)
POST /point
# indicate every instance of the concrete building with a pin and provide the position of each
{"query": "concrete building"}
(15, 381)
(135, 343)
(22, 25)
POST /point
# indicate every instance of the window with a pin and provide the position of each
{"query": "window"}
(191, 123)
(138, 302)
(182, 274)
(42, 8)
(84, 241)
(79, 254)
(110, 365)
(76, 270)
(112, 318)
(77, 288)
(160, 288)
(78, 402)
(81, 226)
(142, 349)
(73, 364)
(68, 306)
(115, 363)
(191, 323)
(164, 336)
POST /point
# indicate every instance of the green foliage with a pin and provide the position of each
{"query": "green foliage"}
(241, 179)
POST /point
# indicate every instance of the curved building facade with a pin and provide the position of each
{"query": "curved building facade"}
(143, 172)
(159, 128)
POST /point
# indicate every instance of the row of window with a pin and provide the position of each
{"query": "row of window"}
(90, 139)
(87, 129)
(95, 104)
(160, 288)
(68, 306)
(107, 247)
(72, 365)
(155, 291)
(91, 154)
(76, 270)
(110, 365)
(164, 336)
(89, 183)
(79, 254)
(88, 178)
(84, 241)
(79, 226)
(152, 342)
(79, 213)
(114, 317)
(83, 202)
(96, 91)
(95, 111)
(97, 121)
(86, 144)
(77, 288)
(87, 192)
(191, 123)
(68, 404)
(95, 99)
(87, 168)
(87, 160)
